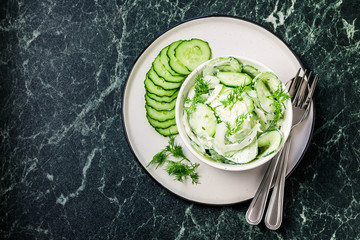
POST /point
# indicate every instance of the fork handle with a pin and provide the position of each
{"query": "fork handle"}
(273, 218)
(257, 206)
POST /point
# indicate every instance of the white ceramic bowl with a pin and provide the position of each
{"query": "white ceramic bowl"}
(179, 110)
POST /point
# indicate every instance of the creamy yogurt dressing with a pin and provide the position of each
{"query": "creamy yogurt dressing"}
(227, 122)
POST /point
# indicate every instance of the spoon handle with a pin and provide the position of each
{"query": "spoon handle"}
(273, 218)
(257, 206)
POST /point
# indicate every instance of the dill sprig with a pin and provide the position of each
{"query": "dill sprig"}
(181, 169)
(234, 95)
(279, 97)
(238, 122)
(201, 87)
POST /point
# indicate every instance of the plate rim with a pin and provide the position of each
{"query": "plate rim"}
(125, 84)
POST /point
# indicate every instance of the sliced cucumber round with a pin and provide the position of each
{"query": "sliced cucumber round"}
(162, 98)
(161, 116)
(234, 79)
(221, 146)
(161, 106)
(161, 82)
(164, 59)
(203, 121)
(159, 91)
(250, 70)
(225, 64)
(172, 130)
(192, 53)
(158, 124)
(162, 72)
(231, 112)
(174, 63)
(265, 85)
(246, 154)
(269, 142)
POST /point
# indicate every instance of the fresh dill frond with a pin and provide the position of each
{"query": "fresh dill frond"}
(279, 97)
(234, 96)
(159, 158)
(179, 169)
(238, 123)
(182, 171)
(201, 87)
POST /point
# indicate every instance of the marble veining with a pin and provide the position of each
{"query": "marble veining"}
(66, 170)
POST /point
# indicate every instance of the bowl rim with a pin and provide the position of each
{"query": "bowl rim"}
(188, 82)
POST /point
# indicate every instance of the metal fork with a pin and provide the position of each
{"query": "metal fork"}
(301, 107)
(301, 96)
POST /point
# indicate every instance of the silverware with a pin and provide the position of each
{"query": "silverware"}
(301, 106)
(301, 97)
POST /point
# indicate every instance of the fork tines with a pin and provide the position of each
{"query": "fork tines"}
(300, 85)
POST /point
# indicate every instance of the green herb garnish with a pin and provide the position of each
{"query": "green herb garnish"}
(278, 97)
(181, 169)
(238, 122)
(234, 96)
(201, 87)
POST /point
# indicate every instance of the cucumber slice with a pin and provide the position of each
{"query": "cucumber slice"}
(265, 85)
(161, 106)
(164, 59)
(234, 79)
(161, 116)
(234, 110)
(249, 126)
(225, 64)
(203, 121)
(162, 72)
(247, 154)
(163, 98)
(159, 81)
(269, 142)
(158, 124)
(220, 145)
(159, 91)
(251, 71)
(174, 63)
(261, 117)
(172, 130)
(192, 53)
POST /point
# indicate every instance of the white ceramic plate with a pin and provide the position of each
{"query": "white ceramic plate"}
(226, 36)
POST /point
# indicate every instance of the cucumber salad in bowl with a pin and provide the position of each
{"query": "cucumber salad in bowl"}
(233, 112)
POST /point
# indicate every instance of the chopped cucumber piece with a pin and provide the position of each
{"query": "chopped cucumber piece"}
(221, 146)
(250, 70)
(231, 112)
(269, 142)
(203, 121)
(225, 64)
(192, 53)
(234, 79)
(247, 154)
(265, 85)
(249, 126)
(174, 63)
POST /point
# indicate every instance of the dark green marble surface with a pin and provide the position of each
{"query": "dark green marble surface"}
(66, 170)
